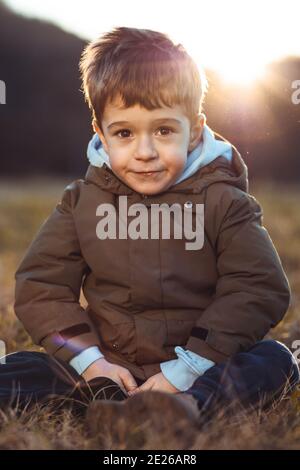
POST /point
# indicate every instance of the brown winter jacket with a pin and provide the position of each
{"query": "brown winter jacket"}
(147, 296)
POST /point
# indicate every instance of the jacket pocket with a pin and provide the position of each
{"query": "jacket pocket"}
(119, 338)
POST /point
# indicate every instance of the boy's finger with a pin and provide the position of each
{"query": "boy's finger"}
(129, 382)
(145, 386)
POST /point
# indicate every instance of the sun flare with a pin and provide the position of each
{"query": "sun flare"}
(239, 73)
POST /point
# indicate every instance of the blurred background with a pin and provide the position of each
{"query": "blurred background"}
(251, 55)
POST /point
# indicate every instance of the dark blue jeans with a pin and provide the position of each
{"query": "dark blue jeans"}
(256, 377)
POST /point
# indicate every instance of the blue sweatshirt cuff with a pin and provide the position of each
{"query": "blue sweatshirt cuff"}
(183, 372)
(83, 360)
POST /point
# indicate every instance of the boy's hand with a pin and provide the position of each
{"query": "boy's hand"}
(119, 374)
(156, 382)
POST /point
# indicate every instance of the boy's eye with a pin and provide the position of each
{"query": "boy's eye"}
(122, 130)
(126, 131)
(169, 131)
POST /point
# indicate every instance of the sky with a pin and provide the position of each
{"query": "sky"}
(237, 38)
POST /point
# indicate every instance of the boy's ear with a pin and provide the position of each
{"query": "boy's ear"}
(196, 131)
(96, 127)
(100, 134)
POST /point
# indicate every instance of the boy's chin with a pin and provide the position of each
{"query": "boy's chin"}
(150, 188)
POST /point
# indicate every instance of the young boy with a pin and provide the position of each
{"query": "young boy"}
(163, 313)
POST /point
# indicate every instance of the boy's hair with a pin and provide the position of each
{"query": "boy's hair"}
(144, 67)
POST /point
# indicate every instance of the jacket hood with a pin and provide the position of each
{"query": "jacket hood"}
(214, 159)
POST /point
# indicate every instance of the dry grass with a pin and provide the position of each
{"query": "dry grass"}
(23, 207)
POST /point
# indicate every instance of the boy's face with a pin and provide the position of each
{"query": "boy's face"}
(148, 149)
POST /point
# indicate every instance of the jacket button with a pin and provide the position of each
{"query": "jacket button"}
(188, 204)
(115, 346)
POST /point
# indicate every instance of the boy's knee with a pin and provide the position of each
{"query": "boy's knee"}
(278, 351)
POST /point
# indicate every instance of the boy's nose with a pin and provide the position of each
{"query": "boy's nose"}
(145, 150)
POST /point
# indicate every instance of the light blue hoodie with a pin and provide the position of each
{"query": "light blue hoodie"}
(181, 372)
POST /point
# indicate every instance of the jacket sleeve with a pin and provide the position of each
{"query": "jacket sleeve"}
(48, 284)
(252, 292)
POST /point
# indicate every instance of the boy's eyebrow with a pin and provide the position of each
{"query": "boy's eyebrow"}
(121, 123)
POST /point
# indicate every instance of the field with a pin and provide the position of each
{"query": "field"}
(23, 207)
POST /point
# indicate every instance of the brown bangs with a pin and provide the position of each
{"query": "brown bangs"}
(150, 73)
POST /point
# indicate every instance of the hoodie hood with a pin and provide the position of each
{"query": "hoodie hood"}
(214, 158)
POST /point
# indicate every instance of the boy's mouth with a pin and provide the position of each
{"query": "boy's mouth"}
(148, 173)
